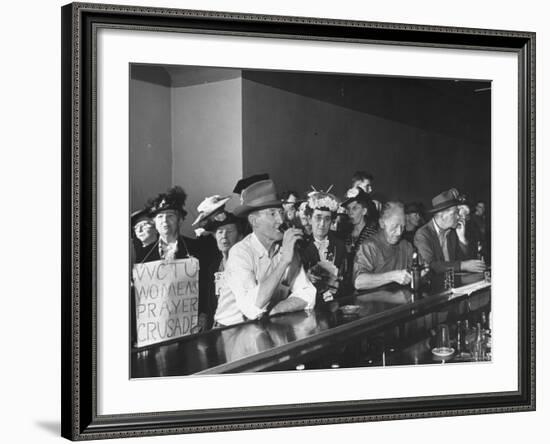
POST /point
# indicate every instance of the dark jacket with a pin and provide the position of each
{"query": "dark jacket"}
(211, 260)
(186, 247)
(336, 248)
(426, 240)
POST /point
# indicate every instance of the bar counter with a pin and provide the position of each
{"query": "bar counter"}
(392, 326)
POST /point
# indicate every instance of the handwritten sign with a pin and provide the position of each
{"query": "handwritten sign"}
(167, 299)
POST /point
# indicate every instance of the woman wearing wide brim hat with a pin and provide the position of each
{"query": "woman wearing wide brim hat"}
(217, 231)
(210, 207)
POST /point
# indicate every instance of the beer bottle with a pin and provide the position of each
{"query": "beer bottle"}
(459, 337)
(415, 272)
(480, 251)
(477, 352)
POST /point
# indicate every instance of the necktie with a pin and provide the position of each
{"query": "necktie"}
(444, 246)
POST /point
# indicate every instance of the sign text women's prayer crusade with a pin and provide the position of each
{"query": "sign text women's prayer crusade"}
(167, 298)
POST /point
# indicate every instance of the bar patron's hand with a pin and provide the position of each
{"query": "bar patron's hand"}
(402, 277)
(473, 266)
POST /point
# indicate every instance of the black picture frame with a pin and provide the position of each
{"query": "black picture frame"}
(79, 210)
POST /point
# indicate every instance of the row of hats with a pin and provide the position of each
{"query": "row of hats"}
(259, 192)
(256, 192)
(211, 210)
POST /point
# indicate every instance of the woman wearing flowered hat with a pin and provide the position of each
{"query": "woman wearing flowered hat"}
(324, 256)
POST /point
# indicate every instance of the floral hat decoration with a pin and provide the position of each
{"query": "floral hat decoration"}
(321, 200)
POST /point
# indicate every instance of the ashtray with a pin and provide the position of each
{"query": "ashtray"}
(443, 352)
(349, 310)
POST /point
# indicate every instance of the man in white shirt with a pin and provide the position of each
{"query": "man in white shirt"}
(264, 274)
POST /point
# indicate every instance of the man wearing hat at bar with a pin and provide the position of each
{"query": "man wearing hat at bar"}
(442, 242)
(263, 272)
(224, 229)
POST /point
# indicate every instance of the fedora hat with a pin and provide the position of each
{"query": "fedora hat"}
(247, 181)
(257, 196)
(446, 199)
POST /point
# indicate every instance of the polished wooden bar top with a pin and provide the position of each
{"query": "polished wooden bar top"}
(278, 341)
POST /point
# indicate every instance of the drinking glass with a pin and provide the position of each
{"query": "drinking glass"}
(449, 279)
(443, 337)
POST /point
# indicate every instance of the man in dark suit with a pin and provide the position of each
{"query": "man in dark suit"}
(442, 242)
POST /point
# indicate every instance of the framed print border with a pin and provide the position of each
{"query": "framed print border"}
(80, 418)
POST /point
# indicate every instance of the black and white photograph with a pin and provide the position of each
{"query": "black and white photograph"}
(296, 221)
(274, 221)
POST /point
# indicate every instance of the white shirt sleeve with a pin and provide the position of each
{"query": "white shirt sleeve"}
(241, 280)
(303, 289)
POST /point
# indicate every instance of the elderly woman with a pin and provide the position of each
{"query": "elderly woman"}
(226, 230)
(324, 256)
(144, 234)
(167, 211)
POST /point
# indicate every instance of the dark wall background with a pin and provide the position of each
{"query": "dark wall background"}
(417, 136)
